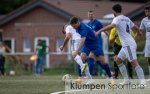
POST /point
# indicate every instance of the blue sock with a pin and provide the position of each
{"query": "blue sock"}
(100, 64)
(79, 71)
(106, 68)
(90, 62)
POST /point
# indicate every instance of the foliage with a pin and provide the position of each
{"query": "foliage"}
(7, 6)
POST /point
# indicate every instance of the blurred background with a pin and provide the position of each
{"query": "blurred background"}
(24, 22)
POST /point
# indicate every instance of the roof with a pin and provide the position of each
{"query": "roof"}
(139, 11)
(32, 5)
(80, 7)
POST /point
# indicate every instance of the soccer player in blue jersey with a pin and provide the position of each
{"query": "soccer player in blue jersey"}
(95, 25)
(89, 44)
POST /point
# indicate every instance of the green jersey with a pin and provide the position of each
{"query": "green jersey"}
(41, 49)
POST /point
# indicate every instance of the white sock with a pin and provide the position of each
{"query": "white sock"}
(149, 69)
(123, 71)
(79, 60)
(87, 73)
(140, 74)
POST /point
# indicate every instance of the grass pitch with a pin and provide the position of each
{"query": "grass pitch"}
(44, 85)
(30, 84)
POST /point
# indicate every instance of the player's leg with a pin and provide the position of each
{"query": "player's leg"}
(116, 49)
(121, 56)
(90, 60)
(131, 55)
(147, 55)
(84, 52)
(41, 64)
(149, 67)
(130, 72)
(36, 67)
(79, 71)
(78, 59)
(116, 69)
(98, 52)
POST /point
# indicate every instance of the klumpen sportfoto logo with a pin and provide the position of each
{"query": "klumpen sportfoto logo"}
(104, 84)
(91, 86)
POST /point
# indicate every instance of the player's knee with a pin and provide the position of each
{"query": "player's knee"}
(115, 58)
(91, 55)
(118, 60)
(134, 63)
(83, 56)
(101, 59)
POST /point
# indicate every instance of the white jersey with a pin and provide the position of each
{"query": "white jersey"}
(75, 37)
(72, 31)
(123, 28)
(145, 25)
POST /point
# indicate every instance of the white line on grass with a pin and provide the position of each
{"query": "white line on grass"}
(59, 92)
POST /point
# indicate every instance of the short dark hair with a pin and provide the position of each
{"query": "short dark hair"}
(117, 8)
(147, 7)
(74, 20)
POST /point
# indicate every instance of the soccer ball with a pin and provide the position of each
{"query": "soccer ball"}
(67, 78)
(12, 73)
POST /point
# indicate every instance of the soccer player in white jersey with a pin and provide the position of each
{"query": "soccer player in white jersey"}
(145, 26)
(123, 26)
(75, 38)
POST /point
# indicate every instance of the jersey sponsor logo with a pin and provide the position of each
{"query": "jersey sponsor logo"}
(148, 29)
(127, 29)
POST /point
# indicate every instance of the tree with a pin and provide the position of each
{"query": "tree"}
(6, 6)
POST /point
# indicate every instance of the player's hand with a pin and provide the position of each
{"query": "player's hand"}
(74, 54)
(96, 34)
(61, 48)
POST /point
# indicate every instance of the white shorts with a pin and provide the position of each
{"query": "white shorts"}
(74, 45)
(147, 50)
(128, 52)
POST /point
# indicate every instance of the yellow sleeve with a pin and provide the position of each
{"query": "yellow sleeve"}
(132, 33)
(112, 33)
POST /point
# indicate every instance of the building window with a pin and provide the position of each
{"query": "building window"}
(59, 42)
(26, 45)
(10, 42)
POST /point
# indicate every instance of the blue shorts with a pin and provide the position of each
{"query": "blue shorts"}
(96, 50)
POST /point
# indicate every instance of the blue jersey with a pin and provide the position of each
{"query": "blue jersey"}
(88, 33)
(96, 26)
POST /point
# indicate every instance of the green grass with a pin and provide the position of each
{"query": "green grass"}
(30, 84)
(40, 85)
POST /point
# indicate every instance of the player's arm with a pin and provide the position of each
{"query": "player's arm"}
(112, 40)
(136, 29)
(106, 33)
(142, 28)
(142, 32)
(106, 28)
(68, 36)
